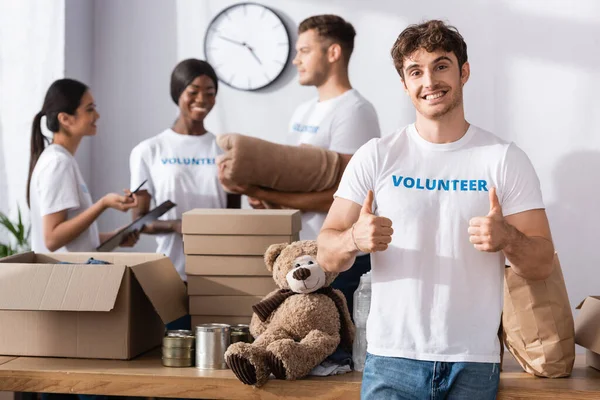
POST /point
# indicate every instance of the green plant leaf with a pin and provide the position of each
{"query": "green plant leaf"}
(21, 229)
(6, 250)
(17, 230)
(7, 223)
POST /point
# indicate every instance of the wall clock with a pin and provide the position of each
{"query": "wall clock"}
(248, 45)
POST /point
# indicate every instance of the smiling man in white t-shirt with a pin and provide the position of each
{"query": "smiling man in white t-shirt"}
(339, 119)
(439, 204)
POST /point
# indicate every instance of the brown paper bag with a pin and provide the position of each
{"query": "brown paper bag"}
(538, 323)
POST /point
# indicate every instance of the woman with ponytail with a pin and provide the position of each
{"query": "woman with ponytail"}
(63, 216)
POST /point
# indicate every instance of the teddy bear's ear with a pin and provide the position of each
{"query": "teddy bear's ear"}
(272, 253)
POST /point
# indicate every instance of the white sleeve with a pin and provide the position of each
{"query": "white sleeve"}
(354, 128)
(520, 184)
(360, 175)
(57, 186)
(139, 170)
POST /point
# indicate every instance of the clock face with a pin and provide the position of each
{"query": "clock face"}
(248, 46)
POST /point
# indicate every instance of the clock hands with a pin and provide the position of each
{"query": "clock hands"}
(242, 44)
(254, 54)
(233, 41)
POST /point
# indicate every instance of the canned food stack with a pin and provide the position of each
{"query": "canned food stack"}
(224, 260)
(178, 349)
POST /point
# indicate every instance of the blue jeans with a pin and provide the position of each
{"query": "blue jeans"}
(390, 378)
(184, 322)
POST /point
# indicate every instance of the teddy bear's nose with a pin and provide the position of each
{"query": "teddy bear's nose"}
(301, 274)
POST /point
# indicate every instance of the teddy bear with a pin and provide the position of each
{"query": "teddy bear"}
(297, 326)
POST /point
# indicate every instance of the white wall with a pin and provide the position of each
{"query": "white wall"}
(31, 58)
(79, 56)
(134, 52)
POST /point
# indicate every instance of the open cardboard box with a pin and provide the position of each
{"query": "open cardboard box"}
(115, 311)
(587, 329)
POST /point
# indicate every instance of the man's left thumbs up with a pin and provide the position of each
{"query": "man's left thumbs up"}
(489, 233)
(495, 208)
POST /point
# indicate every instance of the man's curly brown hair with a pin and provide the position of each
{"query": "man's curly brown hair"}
(432, 36)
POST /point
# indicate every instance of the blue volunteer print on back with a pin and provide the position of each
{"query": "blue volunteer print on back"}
(447, 185)
(301, 128)
(188, 161)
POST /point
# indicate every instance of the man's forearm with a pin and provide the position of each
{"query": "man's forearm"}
(161, 227)
(336, 250)
(314, 201)
(531, 257)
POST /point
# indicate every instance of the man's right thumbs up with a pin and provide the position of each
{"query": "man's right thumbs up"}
(371, 233)
(367, 207)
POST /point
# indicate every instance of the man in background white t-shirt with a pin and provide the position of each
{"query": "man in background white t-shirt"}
(439, 204)
(339, 119)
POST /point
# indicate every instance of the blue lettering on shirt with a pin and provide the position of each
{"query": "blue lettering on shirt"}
(462, 185)
(300, 128)
(188, 161)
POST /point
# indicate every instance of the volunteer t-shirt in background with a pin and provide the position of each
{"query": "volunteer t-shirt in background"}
(183, 169)
(434, 296)
(57, 185)
(341, 124)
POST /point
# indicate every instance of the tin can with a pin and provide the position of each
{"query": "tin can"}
(177, 362)
(240, 333)
(178, 349)
(212, 341)
(179, 333)
(178, 352)
(182, 341)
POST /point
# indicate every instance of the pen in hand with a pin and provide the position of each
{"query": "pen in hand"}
(138, 188)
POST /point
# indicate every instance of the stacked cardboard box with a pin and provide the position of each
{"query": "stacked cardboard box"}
(224, 259)
(587, 329)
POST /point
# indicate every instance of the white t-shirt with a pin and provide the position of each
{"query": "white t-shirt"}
(183, 169)
(434, 296)
(341, 124)
(57, 185)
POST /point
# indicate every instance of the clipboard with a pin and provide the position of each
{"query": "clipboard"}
(114, 241)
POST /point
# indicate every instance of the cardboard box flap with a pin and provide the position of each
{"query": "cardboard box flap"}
(583, 301)
(59, 287)
(587, 324)
(163, 287)
(127, 259)
(25, 258)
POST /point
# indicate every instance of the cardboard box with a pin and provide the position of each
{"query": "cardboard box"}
(226, 265)
(238, 306)
(255, 245)
(587, 329)
(87, 311)
(219, 319)
(230, 285)
(207, 221)
(592, 359)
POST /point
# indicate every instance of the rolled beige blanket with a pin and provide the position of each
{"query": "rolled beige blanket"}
(252, 161)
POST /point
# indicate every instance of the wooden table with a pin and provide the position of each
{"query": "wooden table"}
(146, 377)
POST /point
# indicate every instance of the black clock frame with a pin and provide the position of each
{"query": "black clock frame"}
(287, 59)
